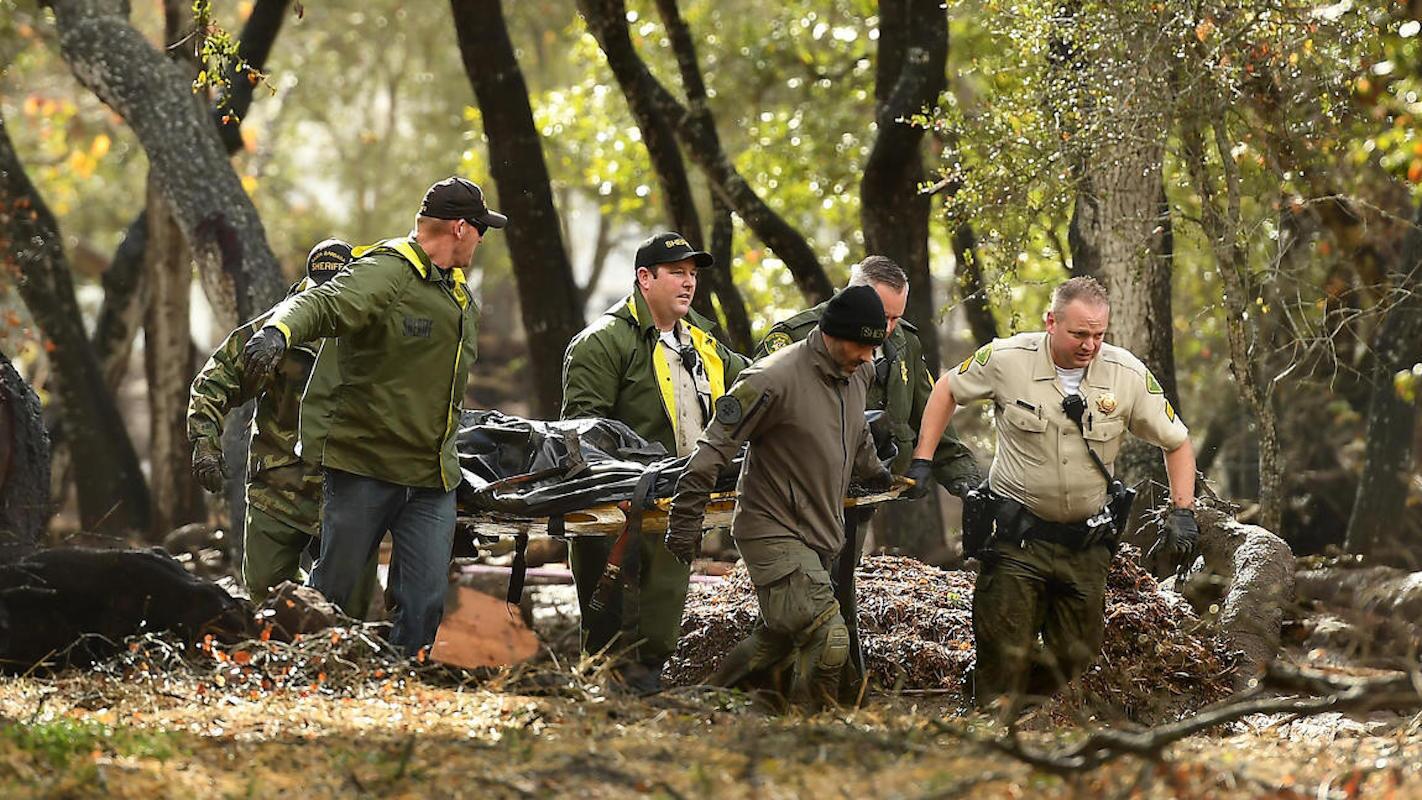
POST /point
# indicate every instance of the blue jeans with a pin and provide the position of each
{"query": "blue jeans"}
(356, 512)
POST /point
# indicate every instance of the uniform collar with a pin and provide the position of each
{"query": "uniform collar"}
(1045, 369)
(633, 308)
(824, 362)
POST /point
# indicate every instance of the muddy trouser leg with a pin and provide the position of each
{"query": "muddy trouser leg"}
(587, 558)
(664, 581)
(1009, 607)
(800, 618)
(1075, 620)
(271, 552)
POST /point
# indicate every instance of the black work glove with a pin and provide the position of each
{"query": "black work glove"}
(881, 481)
(1182, 536)
(208, 468)
(685, 544)
(263, 352)
(1181, 539)
(959, 487)
(920, 471)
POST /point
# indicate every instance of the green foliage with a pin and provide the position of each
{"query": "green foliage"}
(59, 741)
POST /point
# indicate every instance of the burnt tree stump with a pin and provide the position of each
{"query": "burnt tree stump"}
(24, 466)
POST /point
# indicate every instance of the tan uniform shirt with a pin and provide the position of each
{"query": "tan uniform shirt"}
(1041, 458)
(690, 392)
(805, 423)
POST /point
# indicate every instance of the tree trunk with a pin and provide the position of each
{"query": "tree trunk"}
(1223, 228)
(972, 289)
(733, 305)
(548, 295)
(154, 96)
(1258, 569)
(25, 506)
(124, 296)
(168, 362)
(909, 77)
(1392, 421)
(112, 493)
(696, 130)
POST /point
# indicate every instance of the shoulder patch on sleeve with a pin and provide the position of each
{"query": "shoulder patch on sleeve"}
(728, 409)
(777, 340)
(983, 354)
(1153, 386)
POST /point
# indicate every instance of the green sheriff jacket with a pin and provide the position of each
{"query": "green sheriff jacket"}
(612, 370)
(901, 393)
(408, 336)
(278, 482)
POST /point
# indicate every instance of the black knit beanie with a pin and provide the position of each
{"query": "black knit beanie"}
(856, 314)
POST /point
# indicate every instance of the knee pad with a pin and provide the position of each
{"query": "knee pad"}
(836, 649)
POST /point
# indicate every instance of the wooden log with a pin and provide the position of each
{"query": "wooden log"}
(1258, 569)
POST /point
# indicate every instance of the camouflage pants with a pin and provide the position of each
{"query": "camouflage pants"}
(1040, 588)
(800, 633)
(271, 553)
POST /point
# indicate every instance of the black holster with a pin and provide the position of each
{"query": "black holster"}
(988, 516)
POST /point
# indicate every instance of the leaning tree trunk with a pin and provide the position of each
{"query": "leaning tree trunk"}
(696, 130)
(124, 297)
(672, 173)
(111, 489)
(219, 223)
(1392, 420)
(1223, 227)
(25, 506)
(548, 295)
(909, 76)
(733, 305)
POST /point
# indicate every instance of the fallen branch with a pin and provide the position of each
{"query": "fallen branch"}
(1099, 747)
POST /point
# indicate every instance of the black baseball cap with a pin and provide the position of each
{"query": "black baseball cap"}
(856, 314)
(326, 259)
(460, 198)
(665, 248)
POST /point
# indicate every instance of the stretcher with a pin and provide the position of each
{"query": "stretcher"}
(618, 520)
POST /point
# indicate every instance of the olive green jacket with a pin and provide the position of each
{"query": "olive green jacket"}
(278, 482)
(612, 370)
(804, 419)
(900, 389)
(409, 334)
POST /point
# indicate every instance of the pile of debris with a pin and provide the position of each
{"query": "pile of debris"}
(916, 625)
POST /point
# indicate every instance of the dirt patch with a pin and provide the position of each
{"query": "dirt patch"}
(916, 623)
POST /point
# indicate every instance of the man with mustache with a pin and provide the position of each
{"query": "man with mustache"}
(1063, 401)
(648, 361)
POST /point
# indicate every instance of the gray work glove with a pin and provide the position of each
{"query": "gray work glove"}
(263, 352)
(920, 471)
(684, 543)
(208, 468)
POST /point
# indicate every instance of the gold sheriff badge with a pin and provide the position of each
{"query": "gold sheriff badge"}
(1106, 403)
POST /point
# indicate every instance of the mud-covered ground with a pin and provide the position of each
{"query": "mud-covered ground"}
(99, 736)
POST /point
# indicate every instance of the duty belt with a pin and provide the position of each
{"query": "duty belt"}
(1069, 534)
